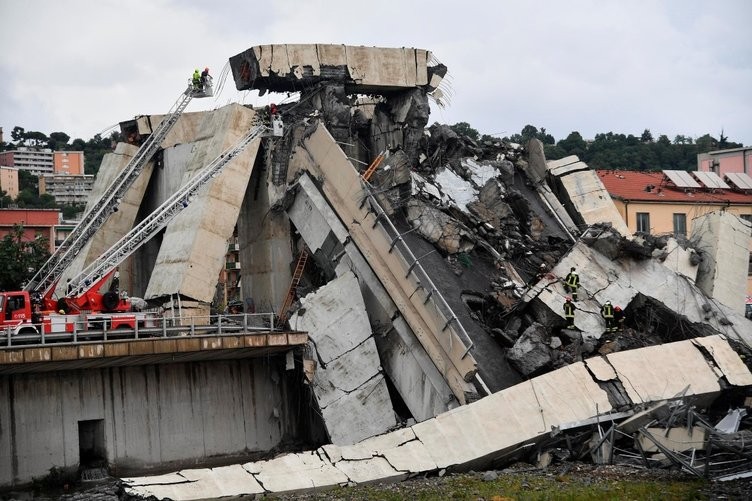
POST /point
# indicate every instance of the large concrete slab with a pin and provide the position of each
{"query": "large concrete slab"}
(725, 242)
(348, 384)
(195, 242)
(591, 200)
(481, 434)
(281, 66)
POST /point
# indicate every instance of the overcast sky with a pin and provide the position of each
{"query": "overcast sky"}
(674, 67)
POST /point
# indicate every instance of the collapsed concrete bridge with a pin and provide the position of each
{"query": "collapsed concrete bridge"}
(419, 298)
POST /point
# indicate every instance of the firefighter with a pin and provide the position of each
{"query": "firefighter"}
(569, 312)
(607, 312)
(572, 283)
(204, 77)
(196, 79)
(619, 318)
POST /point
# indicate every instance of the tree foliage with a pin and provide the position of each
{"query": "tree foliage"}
(21, 258)
(465, 129)
(611, 150)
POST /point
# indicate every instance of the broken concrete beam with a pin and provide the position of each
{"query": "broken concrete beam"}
(288, 67)
(483, 433)
(349, 386)
(344, 189)
(414, 375)
(296, 473)
(584, 194)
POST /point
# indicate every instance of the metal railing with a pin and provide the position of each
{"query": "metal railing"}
(413, 267)
(97, 328)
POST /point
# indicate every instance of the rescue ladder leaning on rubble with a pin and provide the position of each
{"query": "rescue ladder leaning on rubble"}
(161, 216)
(48, 275)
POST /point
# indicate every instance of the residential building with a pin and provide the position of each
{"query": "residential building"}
(9, 181)
(723, 162)
(67, 190)
(68, 162)
(35, 222)
(37, 161)
(651, 202)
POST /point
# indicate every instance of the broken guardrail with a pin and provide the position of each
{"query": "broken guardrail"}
(413, 267)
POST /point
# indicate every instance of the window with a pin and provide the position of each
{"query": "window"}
(643, 222)
(747, 217)
(680, 225)
(749, 268)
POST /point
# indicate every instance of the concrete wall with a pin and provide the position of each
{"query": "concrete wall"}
(154, 416)
(264, 240)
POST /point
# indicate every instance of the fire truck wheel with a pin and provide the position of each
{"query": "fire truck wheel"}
(110, 300)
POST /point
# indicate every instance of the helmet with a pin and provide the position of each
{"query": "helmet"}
(196, 69)
(572, 268)
(543, 265)
(608, 302)
(206, 70)
(569, 299)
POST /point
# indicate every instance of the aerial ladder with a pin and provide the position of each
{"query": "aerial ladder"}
(94, 275)
(46, 278)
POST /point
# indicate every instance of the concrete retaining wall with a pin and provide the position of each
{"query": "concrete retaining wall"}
(152, 416)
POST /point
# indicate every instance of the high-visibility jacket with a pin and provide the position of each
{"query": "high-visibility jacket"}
(607, 311)
(573, 279)
(568, 310)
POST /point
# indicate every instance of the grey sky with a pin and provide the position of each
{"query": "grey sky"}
(675, 67)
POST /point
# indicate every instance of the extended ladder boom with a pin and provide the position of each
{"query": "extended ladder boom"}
(158, 219)
(48, 275)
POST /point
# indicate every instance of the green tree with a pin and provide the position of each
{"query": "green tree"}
(646, 136)
(36, 139)
(464, 128)
(58, 141)
(573, 145)
(21, 258)
(18, 134)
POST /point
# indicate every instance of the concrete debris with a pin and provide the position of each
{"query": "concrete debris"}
(438, 228)
(523, 421)
(349, 386)
(532, 351)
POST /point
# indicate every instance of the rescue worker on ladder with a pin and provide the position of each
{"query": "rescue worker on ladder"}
(569, 308)
(204, 77)
(572, 283)
(607, 312)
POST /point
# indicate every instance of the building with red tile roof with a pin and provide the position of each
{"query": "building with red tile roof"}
(651, 202)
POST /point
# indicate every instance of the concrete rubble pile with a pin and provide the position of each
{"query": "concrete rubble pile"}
(434, 296)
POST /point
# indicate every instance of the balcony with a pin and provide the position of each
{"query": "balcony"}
(232, 265)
